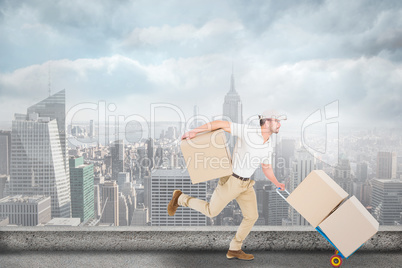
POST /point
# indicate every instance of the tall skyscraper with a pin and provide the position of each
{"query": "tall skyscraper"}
(275, 208)
(232, 111)
(232, 106)
(91, 128)
(362, 172)
(150, 152)
(3, 183)
(117, 152)
(386, 165)
(82, 189)
(5, 152)
(54, 107)
(37, 161)
(163, 183)
(110, 200)
(387, 201)
(97, 201)
(123, 210)
(122, 178)
(342, 175)
(302, 166)
(140, 217)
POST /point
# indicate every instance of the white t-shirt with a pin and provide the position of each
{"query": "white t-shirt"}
(250, 150)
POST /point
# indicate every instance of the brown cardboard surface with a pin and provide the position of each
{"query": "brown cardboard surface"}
(316, 196)
(207, 156)
(349, 226)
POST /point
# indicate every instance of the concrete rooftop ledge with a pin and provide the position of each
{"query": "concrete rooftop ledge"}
(389, 238)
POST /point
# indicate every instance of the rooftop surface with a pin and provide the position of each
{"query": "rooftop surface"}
(193, 259)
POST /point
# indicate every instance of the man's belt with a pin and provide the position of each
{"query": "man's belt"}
(240, 178)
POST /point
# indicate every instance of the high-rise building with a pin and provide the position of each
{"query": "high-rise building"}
(82, 189)
(362, 172)
(97, 201)
(387, 201)
(3, 182)
(386, 165)
(117, 153)
(232, 111)
(123, 210)
(276, 208)
(232, 106)
(122, 178)
(150, 153)
(5, 152)
(91, 129)
(163, 183)
(140, 217)
(110, 203)
(26, 210)
(302, 166)
(342, 176)
(54, 107)
(37, 162)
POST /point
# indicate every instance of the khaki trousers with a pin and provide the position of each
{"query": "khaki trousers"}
(229, 188)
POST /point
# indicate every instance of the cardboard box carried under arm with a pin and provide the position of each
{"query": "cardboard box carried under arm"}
(316, 197)
(349, 226)
(207, 156)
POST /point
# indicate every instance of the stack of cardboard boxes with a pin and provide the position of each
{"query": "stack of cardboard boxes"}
(319, 200)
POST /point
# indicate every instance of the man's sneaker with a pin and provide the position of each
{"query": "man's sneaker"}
(173, 204)
(239, 254)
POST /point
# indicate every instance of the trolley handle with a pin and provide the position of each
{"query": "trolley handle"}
(277, 190)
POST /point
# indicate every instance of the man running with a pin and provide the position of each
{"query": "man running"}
(253, 147)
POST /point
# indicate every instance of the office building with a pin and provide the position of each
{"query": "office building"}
(97, 201)
(54, 107)
(140, 217)
(26, 210)
(37, 162)
(163, 183)
(232, 106)
(5, 152)
(82, 189)
(387, 201)
(362, 172)
(3, 183)
(123, 210)
(122, 178)
(232, 111)
(343, 177)
(303, 164)
(386, 165)
(117, 153)
(91, 129)
(275, 208)
(110, 203)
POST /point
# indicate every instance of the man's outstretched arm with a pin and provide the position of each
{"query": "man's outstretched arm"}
(269, 173)
(211, 126)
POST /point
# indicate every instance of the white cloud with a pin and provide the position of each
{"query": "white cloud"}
(367, 88)
(181, 33)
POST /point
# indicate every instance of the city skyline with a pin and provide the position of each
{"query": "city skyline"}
(298, 57)
(105, 128)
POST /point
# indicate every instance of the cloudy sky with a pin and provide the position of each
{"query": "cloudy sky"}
(298, 56)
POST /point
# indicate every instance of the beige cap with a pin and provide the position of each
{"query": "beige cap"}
(272, 114)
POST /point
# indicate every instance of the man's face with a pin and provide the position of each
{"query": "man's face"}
(274, 125)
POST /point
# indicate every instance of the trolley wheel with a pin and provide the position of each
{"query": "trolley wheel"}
(336, 260)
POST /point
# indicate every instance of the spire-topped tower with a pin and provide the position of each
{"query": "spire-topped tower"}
(232, 106)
